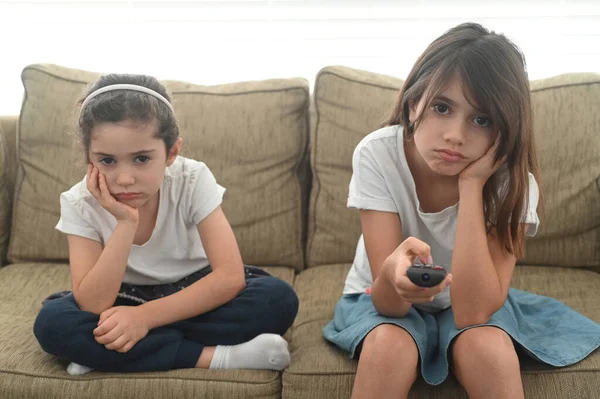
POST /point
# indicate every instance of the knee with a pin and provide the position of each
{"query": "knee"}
(484, 346)
(279, 294)
(55, 321)
(390, 343)
(48, 325)
(276, 299)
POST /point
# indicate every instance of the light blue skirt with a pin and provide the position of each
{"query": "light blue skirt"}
(544, 327)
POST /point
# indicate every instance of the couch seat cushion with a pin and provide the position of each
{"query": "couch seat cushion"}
(27, 371)
(320, 370)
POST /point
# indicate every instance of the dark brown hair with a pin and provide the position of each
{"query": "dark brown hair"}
(122, 105)
(493, 74)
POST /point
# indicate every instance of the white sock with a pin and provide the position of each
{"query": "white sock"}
(77, 369)
(267, 351)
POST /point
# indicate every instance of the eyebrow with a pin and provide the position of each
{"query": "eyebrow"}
(452, 103)
(445, 99)
(133, 153)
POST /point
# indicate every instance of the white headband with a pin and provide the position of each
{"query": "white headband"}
(124, 86)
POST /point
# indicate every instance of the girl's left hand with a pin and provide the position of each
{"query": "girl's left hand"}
(480, 170)
(120, 328)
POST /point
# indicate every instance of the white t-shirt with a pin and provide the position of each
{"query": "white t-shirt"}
(382, 181)
(187, 195)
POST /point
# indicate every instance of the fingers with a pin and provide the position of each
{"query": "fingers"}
(494, 149)
(104, 188)
(500, 162)
(407, 287)
(413, 247)
(106, 314)
(109, 337)
(497, 141)
(118, 343)
(106, 326)
(88, 174)
(96, 183)
(92, 181)
(127, 347)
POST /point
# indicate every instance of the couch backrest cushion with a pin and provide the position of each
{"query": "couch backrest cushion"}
(350, 104)
(252, 135)
(566, 112)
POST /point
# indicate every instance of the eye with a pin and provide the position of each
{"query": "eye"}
(107, 161)
(141, 159)
(441, 109)
(482, 121)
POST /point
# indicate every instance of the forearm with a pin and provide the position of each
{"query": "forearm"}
(99, 288)
(475, 289)
(208, 293)
(385, 298)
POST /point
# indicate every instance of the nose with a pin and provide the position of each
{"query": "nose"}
(125, 178)
(455, 132)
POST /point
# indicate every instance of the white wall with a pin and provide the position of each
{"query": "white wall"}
(210, 42)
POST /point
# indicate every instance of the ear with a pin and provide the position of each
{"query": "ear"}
(174, 151)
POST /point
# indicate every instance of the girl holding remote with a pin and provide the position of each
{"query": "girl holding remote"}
(452, 179)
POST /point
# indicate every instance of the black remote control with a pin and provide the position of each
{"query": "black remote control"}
(426, 275)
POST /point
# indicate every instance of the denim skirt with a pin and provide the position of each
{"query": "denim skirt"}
(543, 327)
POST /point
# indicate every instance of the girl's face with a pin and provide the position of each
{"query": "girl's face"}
(452, 133)
(132, 159)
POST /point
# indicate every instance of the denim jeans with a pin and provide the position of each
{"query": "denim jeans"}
(266, 305)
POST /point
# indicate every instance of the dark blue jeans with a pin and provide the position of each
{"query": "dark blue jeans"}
(266, 305)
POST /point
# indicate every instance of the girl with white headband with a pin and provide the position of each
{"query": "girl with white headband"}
(157, 277)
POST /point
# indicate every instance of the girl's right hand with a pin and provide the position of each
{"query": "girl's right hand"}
(400, 260)
(96, 184)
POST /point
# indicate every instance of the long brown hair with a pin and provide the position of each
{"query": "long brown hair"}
(493, 73)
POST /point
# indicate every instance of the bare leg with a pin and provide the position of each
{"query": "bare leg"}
(486, 364)
(206, 357)
(387, 367)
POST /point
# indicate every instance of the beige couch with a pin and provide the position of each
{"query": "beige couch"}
(285, 157)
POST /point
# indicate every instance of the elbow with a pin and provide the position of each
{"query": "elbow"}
(97, 310)
(387, 310)
(236, 284)
(379, 308)
(468, 313)
(392, 313)
(89, 306)
(470, 318)
(239, 285)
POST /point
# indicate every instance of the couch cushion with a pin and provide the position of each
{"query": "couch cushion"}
(351, 103)
(318, 369)
(27, 371)
(8, 127)
(569, 154)
(252, 135)
(4, 199)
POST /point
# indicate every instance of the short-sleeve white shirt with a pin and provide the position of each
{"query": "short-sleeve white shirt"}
(187, 195)
(382, 181)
